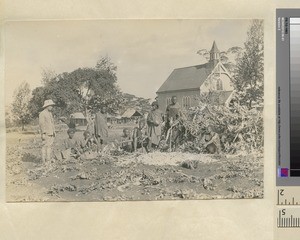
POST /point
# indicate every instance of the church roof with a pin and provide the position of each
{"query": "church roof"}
(214, 48)
(187, 78)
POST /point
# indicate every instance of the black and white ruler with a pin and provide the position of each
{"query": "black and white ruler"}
(288, 218)
(287, 209)
(288, 96)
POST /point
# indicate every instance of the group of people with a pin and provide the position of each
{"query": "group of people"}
(146, 136)
(150, 131)
(93, 138)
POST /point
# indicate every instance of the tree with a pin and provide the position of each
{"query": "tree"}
(20, 110)
(131, 101)
(229, 58)
(249, 74)
(63, 90)
(104, 64)
(105, 90)
(81, 90)
(36, 102)
(8, 117)
(47, 75)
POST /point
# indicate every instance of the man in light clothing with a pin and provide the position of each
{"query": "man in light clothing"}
(46, 123)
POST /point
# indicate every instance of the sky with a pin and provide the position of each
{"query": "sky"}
(144, 51)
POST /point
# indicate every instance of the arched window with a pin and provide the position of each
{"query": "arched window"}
(168, 101)
(219, 84)
(186, 102)
(189, 102)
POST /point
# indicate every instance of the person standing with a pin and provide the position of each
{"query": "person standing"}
(90, 124)
(101, 128)
(154, 121)
(47, 128)
(173, 114)
(173, 111)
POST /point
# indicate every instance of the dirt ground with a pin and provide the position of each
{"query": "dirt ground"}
(136, 176)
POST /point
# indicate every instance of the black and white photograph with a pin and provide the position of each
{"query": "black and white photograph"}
(134, 110)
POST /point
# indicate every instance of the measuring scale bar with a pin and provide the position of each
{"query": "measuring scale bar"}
(288, 218)
(288, 210)
(285, 202)
(288, 196)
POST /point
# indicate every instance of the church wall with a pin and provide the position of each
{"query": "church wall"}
(211, 84)
(226, 82)
(189, 97)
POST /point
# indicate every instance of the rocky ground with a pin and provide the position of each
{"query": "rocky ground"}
(138, 176)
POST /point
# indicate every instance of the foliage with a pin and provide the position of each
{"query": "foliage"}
(229, 57)
(20, 111)
(110, 99)
(138, 103)
(249, 75)
(80, 90)
(106, 66)
(239, 128)
(8, 119)
(209, 98)
(240, 125)
(47, 75)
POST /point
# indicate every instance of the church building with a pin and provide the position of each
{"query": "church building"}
(188, 82)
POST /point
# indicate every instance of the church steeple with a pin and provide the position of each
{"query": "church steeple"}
(214, 53)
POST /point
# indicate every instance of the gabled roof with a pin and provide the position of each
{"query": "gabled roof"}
(78, 115)
(187, 77)
(131, 113)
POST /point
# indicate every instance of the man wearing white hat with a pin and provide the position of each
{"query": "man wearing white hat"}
(46, 123)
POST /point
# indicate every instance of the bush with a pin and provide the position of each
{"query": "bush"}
(239, 128)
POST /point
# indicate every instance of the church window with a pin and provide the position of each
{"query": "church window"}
(186, 102)
(168, 101)
(219, 84)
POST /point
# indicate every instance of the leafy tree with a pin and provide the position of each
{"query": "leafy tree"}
(249, 74)
(103, 89)
(47, 75)
(106, 66)
(80, 90)
(8, 118)
(37, 100)
(204, 53)
(229, 57)
(131, 101)
(20, 110)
